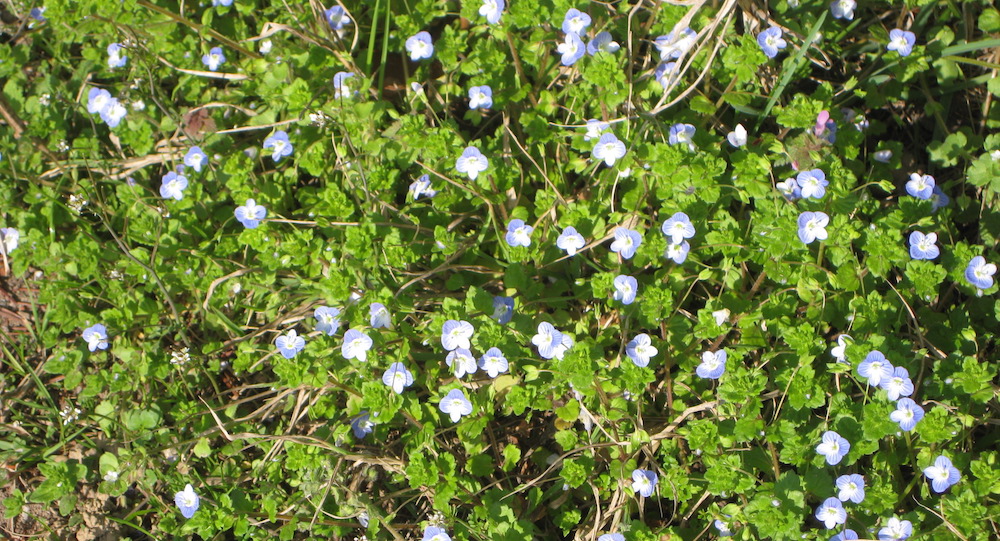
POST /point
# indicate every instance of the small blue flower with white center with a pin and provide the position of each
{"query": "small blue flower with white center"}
(340, 87)
(337, 18)
(397, 377)
(678, 227)
(876, 368)
(362, 425)
(492, 9)
(214, 58)
(9, 239)
(434, 533)
(96, 337)
(461, 362)
(942, 474)
(456, 334)
(422, 188)
(493, 362)
(626, 242)
(833, 447)
(595, 128)
(939, 199)
(602, 42)
(812, 226)
(173, 186)
(626, 288)
(898, 384)
(570, 241)
(737, 137)
(665, 74)
(813, 183)
(480, 97)
(678, 253)
(611, 537)
(839, 352)
(670, 47)
(831, 513)
(682, 134)
(113, 113)
(187, 501)
(279, 144)
(97, 100)
(290, 344)
(571, 49)
(896, 530)
(979, 273)
(503, 309)
(846, 535)
(195, 158)
(851, 487)
(713, 364)
(789, 189)
(843, 9)
(420, 46)
(923, 246)
(901, 41)
(250, 214)
(920, 186)
(609, 149)
(770, 41)
(575, 22)
(640, 349)
(379, 316)
(471, 162)
(518, 233)
(456, 404)
(907, 414)
(327, 319)
(547, 340)
(356, 345)
(644, 482)
(115, 57)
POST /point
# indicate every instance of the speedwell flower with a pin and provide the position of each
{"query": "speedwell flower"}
(575, 22)
(611, 537)
(327, 319)
(640, 349)
(471, 162)
(518, 233)
(682, 134)
(979, 273)
(379, 316)
(456, 334)
(922, 246)
(898, 383)
(340, 86)
(602, 42)
(907, 414)
(9, 238)
(397, 377)
(97, 100)
(790, 189)
(831, 513)
(547, 340)
(901, 41)
(173, 186)
(846, 535)
(678, 227)
(813, 183)
(422, 187)
(290, 344)
(737, 137)
(250, 214)
(609, 149)
(644, 482)
(362, 425)
(812, 226)
(875, 367)
(713, 364)
(677, 252)
(461, 362)
(571, 49)
(920, 186)
(113, 113)
(843, 9)
(595, 128)
(570, 240)
(187, 501)
(493, 362)
(942, 474)
(671, 47)
(195, 158)
(626, 288)
(626, 242)
(337, 18)
(492, 9)
(96, 337)
(434, 533)
(851, 487)
(503, 309)
(115, 57)
(356, 345)
(420, 46)
(939, 199)
(279, 144)
(480, 97)
(770, 41)
(833, 447)
(456, 404)
(896, 530)
(214, 58)
(839, 351)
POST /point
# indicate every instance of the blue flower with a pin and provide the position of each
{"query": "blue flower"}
(547, 340)
(570, 240)
(831, 513)
(979, 273)
(340, 87)
(833, 447)
(644, 482)
(922, 246)
(846, 535)
(37, 14)
(471, 162)
(812, 226)
(737, 137)
(113, 113)
(493, 362)
(875, 367)
(813, 183)
(518, 233)
(187, 501)
(595, 128)
(397, 377)
(609, 149)
(195, 158)
(420, 46)
(433, 533)
(602, 42)
(356, 345)
(422, 187)
(907, 414)
(250, 214)
(217, 3)
(942, 474)
(279, 144)
(456, 334)
(461, 362)
(839, 352)
(575, 22)
(456, 404)
(9, 238)
(770, 41)
(789, 189)
(626, 288)
(611, 537)
(640, 349)
(480, 97)
(682, 134)
(665, 74)
(571, 49)
(677, 252)
(503, 309)
(896, 530)
(901, 41)
(920, 186)
(670, 47)
(492, 9)
(327, 319)
(851, 487)
(337, 18)
(939, 199)
(214, 58)
(626, 242)
(678, 227)
(289, 345)
(362, 425)
(379, 316)
(173, 186)
(115, 57)
(97, 100)
(96, 337)
(713, 364)
(898, 383)
(843, 9)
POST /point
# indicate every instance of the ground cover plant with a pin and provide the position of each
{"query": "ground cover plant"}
(431, 269)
